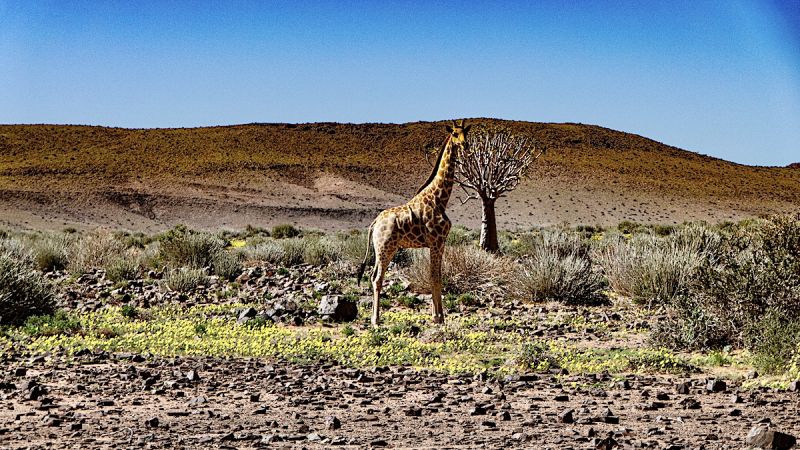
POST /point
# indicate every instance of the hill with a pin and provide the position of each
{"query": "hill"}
(337, 176)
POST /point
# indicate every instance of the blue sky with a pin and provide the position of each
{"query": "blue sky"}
(716, 77)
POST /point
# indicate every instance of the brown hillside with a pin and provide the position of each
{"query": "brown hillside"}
(331, 175)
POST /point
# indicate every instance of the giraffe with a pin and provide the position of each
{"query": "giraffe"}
(420, 223)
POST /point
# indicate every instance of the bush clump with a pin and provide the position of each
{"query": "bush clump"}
(558, 268)
(184, 279)
(23, 292)
(746, 294)
(465, 268)
(181, 247)
(94, 251)
(50, 253)
(653, 270)
(122, 269)
(284, 231)
(227, 264)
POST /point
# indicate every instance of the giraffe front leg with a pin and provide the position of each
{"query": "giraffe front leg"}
(436, 284)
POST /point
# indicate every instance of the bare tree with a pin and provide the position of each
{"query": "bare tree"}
(493, 164)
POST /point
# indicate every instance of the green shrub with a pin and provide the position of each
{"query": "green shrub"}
(748, 287)
(319, 251)
(129, 311)
(653, 270)
(51, 325)
(185, 279)
(50, 253)
(559, 268)
(284, 231)
(773, 342)
(23, 292)
(536, 356)
(181, 247)
(227, 264)
(122, 269)
(461, 235)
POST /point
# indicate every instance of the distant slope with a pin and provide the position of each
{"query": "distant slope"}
(330, 175)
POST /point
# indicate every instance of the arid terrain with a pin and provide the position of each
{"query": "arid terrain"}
(336, 176)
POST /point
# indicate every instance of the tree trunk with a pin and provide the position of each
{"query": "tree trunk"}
(488, 226)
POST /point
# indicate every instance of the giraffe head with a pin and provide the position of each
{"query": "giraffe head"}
(458, 134)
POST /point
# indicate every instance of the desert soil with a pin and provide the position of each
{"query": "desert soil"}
(100, 400)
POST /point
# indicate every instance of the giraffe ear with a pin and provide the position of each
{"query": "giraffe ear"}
(466, 128)
(448, 128)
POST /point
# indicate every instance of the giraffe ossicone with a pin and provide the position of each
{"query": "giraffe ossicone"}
(420, 223)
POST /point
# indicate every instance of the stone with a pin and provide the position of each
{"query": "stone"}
(246, 314)
(337, 308)
(716, 386)
(683, 388)
(794, 386)
(151, 422)
(566, 416)
(478, 410)
(761, 437)
(332, 423)
(192, 376)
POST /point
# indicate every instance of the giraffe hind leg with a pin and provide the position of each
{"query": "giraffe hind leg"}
(382, 260)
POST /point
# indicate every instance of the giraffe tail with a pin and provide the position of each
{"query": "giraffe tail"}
(366, 256)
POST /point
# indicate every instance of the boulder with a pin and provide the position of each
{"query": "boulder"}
(337, 308)
(761, 437)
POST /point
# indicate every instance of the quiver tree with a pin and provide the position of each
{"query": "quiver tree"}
(493, 164)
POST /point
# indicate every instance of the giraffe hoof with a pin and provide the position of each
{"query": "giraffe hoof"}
(438, 319)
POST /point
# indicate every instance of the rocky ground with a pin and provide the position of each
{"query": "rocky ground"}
(101, 400)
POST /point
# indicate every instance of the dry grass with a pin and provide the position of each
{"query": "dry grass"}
(465, 269)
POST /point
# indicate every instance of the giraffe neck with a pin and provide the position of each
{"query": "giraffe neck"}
(442, 184)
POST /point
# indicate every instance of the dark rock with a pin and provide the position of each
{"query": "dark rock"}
(378, 443)
(735, 412)
(332, 423)
(794, 386)
(690, 403)
(151, 422)
(337, 308)
(683, 388)
(735, 398)
(716, 386)
(504, 416)
(192, 376)
(566, 416)
(20, 372)
(605, 444)
(246, 314)
(105, 402)
(478, 410)
(763, 438)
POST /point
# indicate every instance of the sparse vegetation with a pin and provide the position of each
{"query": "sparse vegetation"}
(184, 279)
(558, 268)
(733, 285)
(23, 292)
